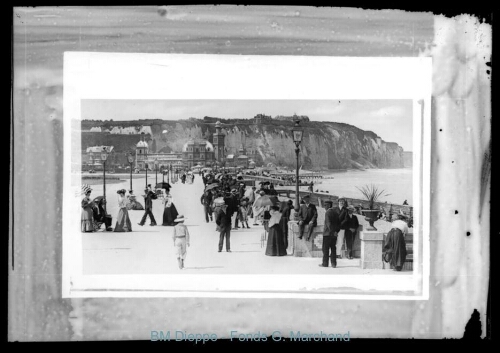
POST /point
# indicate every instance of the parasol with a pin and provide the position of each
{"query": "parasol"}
(211, 186)
(97, 199)
(163, 185)
(266, 200)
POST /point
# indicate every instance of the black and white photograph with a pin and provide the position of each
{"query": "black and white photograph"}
(296, 196)
(279, 173)
(209, 156)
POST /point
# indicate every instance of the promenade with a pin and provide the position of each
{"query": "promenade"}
(150, 250)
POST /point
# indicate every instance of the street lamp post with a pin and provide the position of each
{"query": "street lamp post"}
(130, 159)
(297, 139)
(156, 171)
(104, 157)
(146, 165)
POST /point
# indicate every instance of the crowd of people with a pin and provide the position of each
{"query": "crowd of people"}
(231, 204)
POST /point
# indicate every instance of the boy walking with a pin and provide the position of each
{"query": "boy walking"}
(181, 239)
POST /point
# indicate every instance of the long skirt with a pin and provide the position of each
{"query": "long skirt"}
(169, 215)
(87, 220)
(275, 241)
(123, 223)
(395, 246)
(284, 228)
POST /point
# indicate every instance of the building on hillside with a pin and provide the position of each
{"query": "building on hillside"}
(194, 152)
(198, 152)
(219, 143)
(261, 118)
(93, 157)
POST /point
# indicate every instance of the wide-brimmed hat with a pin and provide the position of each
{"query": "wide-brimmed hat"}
(306, 197)
(330, 202)
(351, 208)
(85, 189)
(180, 218)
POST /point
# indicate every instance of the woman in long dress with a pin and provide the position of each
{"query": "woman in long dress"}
(123, 223)
(170, 212)
(286, 208)
(87, 213)
(276, 239)
(395, 245)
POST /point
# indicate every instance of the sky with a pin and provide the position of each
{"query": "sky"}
(389, 119)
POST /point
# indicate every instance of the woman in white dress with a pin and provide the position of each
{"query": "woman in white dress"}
(123, 223)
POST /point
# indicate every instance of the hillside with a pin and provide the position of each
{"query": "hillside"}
(326, 145)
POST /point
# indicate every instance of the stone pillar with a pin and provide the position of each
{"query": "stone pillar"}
(302, 247)
(356, 246)
(371, 249)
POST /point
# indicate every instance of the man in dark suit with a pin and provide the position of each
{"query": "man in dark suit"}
(223, 220)
(350, 223)
(330, 232)
(149, 195)
(310, 218)
(206, 201)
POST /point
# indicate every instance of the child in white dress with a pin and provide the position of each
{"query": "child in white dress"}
(181, 239)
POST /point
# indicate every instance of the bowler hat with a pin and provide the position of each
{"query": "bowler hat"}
(330, 202)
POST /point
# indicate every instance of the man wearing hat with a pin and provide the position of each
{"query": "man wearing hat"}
(350, 223)
(149, 195)
(241, 190)
(223, 221)
(235, 207)
(206, 201)
(330, 231)
(309, 217)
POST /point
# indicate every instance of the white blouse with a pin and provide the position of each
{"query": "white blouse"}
(122, 201)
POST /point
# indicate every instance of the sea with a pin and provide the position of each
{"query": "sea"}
(396, 183)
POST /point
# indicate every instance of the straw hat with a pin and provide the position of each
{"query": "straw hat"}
(180, 218)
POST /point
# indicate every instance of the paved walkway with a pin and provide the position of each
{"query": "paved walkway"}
(150, 250)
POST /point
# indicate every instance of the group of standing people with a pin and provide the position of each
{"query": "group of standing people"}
(93, 213)
(337, 219)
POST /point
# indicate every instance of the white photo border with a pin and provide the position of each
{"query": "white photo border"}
(91, 75)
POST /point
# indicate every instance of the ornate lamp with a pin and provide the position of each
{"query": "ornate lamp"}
(130, 159)
(104, 157)
(297, 139)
